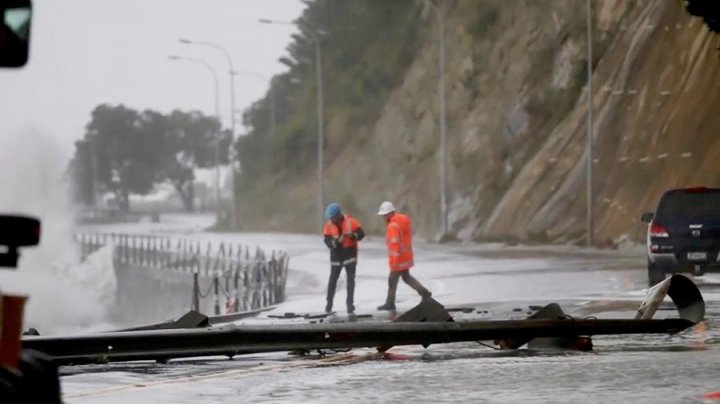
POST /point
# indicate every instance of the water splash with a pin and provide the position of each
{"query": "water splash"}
(63, 296)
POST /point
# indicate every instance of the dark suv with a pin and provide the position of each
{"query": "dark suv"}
(684, 233)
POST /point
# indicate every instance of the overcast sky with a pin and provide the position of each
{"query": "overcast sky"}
(88, 52)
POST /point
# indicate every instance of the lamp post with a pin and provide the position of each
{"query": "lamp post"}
(217, 116)
(590, 138)
(443, 126)
(233, 210)
(321, 139)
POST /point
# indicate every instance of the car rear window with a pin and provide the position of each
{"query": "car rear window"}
(683, 205)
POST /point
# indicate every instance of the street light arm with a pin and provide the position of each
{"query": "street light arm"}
(253, 74)
(228, 58)
(313, 35)
(269, 21)
(212, 45)
(217, 116)
(194, 60)
(442, 123)
(212, 71)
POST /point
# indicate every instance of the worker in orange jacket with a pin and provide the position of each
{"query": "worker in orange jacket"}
(341, 235)
(398, 238)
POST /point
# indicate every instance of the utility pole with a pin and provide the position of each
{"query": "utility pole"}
(217, 117)
(232, 157)
(590, 137)
(443, 125)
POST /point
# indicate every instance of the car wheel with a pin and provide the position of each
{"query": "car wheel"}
(656, 273)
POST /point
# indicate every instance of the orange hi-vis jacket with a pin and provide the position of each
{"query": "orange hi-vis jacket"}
(348, 225)
(398, 238)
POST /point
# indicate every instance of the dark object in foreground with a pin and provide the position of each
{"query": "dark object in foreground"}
(15, 232)
(708, 10)
(551, 311)
(35, 380)
(431, 325)
(235, 340)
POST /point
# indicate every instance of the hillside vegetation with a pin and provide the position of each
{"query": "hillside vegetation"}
(516, 117)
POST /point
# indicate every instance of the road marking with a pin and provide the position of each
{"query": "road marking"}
(686, 155)
(252, 371)
(662, 156)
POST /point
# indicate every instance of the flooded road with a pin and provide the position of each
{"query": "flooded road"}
(638, 368)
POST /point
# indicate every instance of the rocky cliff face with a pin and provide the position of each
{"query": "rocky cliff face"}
(516, 118)
(657, 109)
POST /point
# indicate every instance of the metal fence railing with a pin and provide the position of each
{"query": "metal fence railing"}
(245, 280)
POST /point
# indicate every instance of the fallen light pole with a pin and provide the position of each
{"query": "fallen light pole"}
(426, 324)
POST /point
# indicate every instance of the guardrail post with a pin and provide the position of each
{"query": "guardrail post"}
(196, 293)
(216, 285)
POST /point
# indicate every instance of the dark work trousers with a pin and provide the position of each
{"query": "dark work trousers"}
(332, 283)
(409, 280)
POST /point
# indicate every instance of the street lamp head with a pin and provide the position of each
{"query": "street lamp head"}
(185, 41)
(265, 21)
(173, 57)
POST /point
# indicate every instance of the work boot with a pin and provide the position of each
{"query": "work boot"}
(387, 307)
(351, 309)
(328, 309)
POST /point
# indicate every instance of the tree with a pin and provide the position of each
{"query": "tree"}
(122, 151)
(369, 45)
(192, 141)
(132, 151)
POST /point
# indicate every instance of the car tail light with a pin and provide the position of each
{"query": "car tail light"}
(658, 231)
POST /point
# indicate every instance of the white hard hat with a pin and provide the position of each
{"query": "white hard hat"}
(385, 208)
